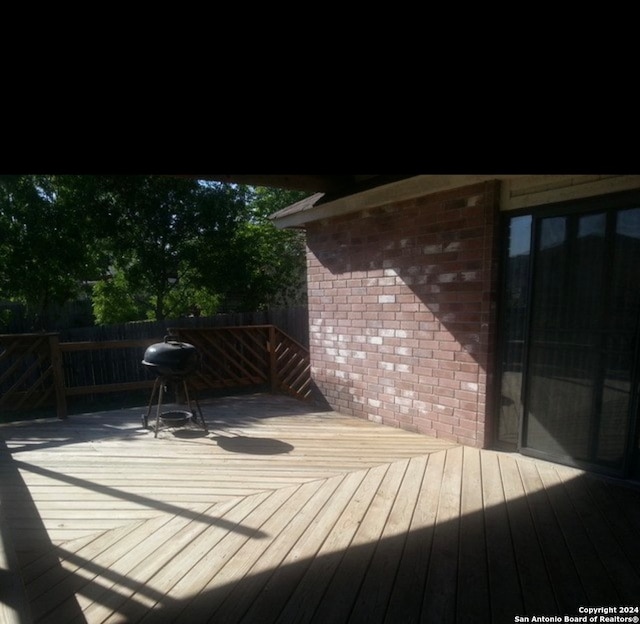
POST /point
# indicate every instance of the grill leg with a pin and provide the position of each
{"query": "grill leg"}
(199, 411)
(145, 418)
(158, 410)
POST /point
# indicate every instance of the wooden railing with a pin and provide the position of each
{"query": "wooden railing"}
(38, 370)
(31, 372)
(100, 355)
(248, 356)
(292, 366)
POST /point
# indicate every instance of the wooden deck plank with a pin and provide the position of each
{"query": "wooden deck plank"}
(609, 534)
(621, 508)
(195, 553)
(79, 577)
(145, 538)
(565, 581)
(405, 602)
(592, 573)
(472, 603)
(283, 514)
(191, 584)
(505, 593)
(338, 599)
(214, 593)
(154, 484)
(306, 597)
(537, 590)
(43, 571)
(159, 544)
(284, 579)
(139, 571)
(241, 597)
(14, 604)
(373, 597)
(82, 578)
(441, 587)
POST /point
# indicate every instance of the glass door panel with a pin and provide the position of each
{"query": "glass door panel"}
(620, 370)
(584, 313)
(515, 303)
(563, 365)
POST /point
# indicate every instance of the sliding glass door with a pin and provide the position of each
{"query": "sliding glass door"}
(571, 312)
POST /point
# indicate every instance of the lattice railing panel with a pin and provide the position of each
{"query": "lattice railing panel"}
(30, 372)
(250, 355)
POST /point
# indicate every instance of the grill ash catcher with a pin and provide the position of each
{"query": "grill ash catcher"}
(173, 362)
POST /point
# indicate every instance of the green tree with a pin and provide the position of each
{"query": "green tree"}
(154, 246)
(47, 242)
(168, 235)
(266, 266)
(114, 301)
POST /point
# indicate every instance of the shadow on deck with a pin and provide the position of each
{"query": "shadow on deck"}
(283, 514)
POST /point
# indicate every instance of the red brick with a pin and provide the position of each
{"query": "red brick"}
(464, 395)
(413, 239)
(470, 406)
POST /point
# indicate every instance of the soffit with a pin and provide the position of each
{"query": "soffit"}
(324, 205)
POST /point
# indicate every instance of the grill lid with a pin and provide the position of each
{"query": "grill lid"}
(171, 357)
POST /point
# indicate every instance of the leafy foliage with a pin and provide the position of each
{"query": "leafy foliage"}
(153, 246)
(46, 241)
(114, 301)
(271, 261)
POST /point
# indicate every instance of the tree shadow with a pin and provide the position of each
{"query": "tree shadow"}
(544, 553)
(121, 495)
(84, 428)
(539, 552)
(547, 553)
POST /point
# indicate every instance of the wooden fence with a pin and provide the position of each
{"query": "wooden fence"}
(293, 321)
(38, 369)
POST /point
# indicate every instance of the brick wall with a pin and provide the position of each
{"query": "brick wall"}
(402, 312)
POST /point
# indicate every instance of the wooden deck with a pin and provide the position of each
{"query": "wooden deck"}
(282, 514)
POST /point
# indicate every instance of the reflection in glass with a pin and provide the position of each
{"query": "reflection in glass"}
(621, 336)
(568, 288)
(515, 302)
(584, 312)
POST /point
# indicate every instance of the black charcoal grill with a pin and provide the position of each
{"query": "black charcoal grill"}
(173, 362)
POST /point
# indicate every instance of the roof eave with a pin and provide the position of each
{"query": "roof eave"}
(321, 206)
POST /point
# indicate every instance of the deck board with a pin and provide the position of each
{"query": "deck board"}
(610, 534)
(408, 592)
(374, 594)
(281, 583)
(304, 602)
(583, 557)
(505, 588)
(242, 596)
(473, 581)
(537, 589)
(337, 600)
(283, 514)
(562, 572)
(441, 588)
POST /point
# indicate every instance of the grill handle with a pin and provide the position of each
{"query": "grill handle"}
(173, 339)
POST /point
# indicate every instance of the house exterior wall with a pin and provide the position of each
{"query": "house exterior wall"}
(402, 312)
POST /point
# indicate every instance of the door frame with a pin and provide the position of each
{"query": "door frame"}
(609, 204)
